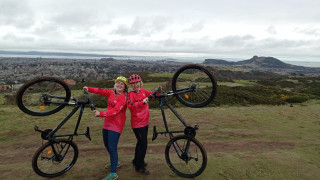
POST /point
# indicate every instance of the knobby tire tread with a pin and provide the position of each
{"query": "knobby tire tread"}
(29, 83)
(202, 150)
(211, 77)
(44, 146)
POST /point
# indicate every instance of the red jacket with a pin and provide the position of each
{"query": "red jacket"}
(115, 116)
(139, 111)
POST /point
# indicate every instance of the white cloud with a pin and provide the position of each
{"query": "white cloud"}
(274, 27)
(310, 31)
(272, 30)
(16, 13)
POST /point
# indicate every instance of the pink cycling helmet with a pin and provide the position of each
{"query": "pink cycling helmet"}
(134, 78)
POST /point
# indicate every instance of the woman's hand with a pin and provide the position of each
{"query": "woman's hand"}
(145, 100)
(96, 113)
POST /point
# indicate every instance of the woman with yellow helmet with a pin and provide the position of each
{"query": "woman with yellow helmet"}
(114, 120)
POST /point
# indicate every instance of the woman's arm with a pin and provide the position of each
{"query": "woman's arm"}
(132, 103)
(101, 92)
(116, 109)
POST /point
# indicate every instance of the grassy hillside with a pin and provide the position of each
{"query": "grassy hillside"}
(251, 142)
(249, 132)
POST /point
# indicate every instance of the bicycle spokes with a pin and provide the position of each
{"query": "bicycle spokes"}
(186, 156)
(43, 96)
(55, 158)
(194, 86)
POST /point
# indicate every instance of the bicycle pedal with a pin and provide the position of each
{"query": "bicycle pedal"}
(36, 128)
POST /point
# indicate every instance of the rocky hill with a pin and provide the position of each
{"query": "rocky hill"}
(266, 64)
(255, 61)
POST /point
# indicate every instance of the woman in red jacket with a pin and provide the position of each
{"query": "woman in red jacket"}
(114, 119)
(139, 108)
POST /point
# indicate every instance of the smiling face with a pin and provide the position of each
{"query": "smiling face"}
(136, 86)
(120, 86)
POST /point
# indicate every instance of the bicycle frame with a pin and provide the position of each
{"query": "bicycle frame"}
(78, 105)
(163, 99)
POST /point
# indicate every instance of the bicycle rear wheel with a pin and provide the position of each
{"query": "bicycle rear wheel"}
(201, 82)
(47, 163)
(186, 156)
(43, 96)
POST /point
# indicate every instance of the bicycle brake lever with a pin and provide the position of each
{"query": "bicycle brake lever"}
(154, 92)
(92, 106)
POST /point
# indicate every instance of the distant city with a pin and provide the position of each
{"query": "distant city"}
(17, 70)
(18, 67)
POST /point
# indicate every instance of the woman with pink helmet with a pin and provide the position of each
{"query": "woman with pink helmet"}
(137, 102)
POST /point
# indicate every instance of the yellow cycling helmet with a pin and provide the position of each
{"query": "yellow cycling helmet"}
(123, 79)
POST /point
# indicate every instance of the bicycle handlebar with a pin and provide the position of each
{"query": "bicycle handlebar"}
(92, 106)
(155, 91)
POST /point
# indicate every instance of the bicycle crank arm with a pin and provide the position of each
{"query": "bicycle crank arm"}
(155, 134)
(87, 134)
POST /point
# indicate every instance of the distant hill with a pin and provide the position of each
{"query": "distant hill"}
(270, 64)
(255, 62)
(38, 53)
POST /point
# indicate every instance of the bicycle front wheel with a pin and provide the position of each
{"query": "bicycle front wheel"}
(186, 156)
(55, 158)
(201, 82)
(43, 96)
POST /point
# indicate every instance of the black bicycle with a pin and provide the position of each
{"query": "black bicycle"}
(194, 86)
(44, 96)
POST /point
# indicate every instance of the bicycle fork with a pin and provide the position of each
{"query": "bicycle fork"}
(183, 153)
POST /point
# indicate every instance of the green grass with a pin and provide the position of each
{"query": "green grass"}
(2, 99)
(242, 142)
(237, 83)
(253, 142)
(153, 85)
(169, 75)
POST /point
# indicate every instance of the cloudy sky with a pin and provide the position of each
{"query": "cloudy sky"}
(285, 29)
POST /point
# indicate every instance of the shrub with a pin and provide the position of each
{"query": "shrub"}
(297, 99)
(9, 99)
(250, 95)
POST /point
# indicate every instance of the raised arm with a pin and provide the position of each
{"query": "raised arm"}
(101, 92)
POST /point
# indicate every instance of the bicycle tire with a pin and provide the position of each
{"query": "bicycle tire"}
(205, 85)
(186, 165)
(45, 156)
(30, 97)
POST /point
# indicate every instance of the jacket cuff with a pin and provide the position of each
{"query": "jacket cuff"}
(102, 114)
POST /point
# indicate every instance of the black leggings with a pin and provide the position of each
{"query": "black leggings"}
(141, 146)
